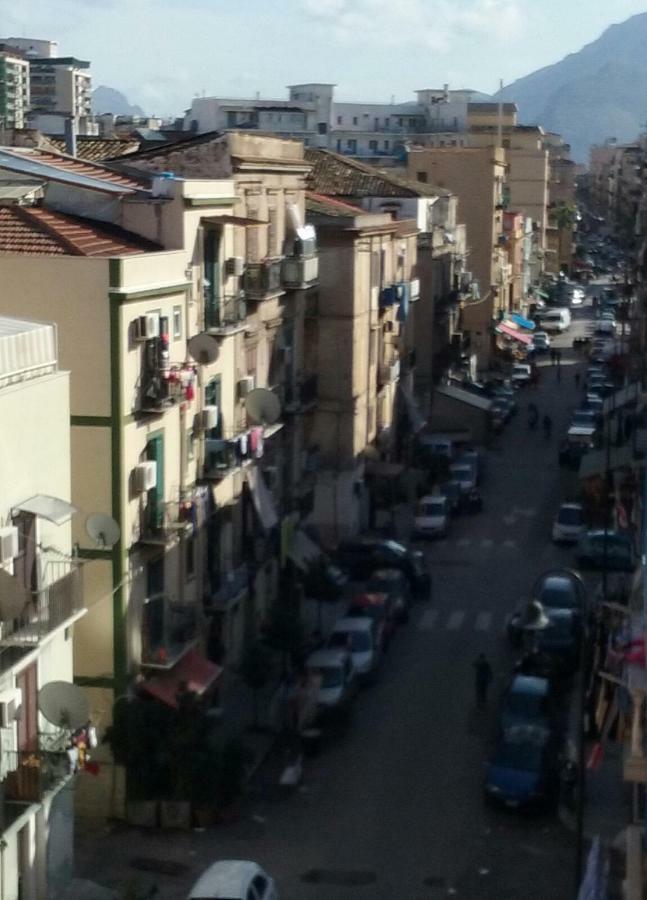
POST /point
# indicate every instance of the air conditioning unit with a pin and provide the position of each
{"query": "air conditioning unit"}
(235, 265)
(246, 385)
(271, 475)
(8, 544)
(209, 417)
(145, 476)
(147, 327)
(10, 703)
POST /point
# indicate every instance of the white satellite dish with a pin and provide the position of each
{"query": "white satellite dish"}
(64, 704)
(203, 348)
(263, 406)
(103, 530)
(13, 597)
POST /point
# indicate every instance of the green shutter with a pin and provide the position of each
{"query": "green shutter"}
(155, 451)
(212, 274)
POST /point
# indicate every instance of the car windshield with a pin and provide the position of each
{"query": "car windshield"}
(395, 548)
(559, 628)
(527, 706)
(569, 515)
(358, 641)
(558, 596)
(331, 676)
(433, 508)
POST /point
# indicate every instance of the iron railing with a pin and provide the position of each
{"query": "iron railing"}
(263, 278)
(225, 313)
(169, 628)
(49, 608)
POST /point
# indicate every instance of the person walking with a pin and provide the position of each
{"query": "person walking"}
(553, 356)
(482, 678)
(558, 357)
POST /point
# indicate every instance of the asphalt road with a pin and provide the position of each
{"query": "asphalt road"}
(394, 807)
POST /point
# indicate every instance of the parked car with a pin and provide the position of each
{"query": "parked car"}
(526, 702)
(524, 770)
(454, 493)
(603, 326)
(235, 879)
(520, 374)
(395, 583)
(560, 639)
(337, 681)
(569, 523)
(558, 591)
(464, 473)
(377, 606)
(362, 555)
(432, 517)
(619, 554)
(476, 455)
(357, 636)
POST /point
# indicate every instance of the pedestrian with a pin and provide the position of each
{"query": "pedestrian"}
(482, 678)
(558, 357)
(553, 356)
(578, 378)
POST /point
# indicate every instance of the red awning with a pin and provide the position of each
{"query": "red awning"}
(192, 673)
(513, 333)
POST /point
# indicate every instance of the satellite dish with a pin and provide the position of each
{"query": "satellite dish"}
(203, 348)
(263, 406)
(64, 704)
(103, 530)
(13, 597)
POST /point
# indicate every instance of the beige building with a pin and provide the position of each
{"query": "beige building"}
(491, 115)
(358, 339)
(477, 177)
(41, 599)
(14, 88)
(161, 437)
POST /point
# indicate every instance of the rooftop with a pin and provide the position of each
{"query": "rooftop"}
(57, 167)
(334, 175)
(492, 107)
(35, 231)
(328, 206)
(92, 149)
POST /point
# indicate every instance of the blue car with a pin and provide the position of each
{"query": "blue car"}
(526, 702)
(523, 774)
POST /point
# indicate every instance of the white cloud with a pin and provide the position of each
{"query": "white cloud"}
(435, 24)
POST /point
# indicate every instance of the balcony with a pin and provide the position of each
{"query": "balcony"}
(300, 272)
(57, 604)
(389, 370)
(169, 630)
(226, 315)
(162, 524)
(32, 773)
(233, 586)
(262, 280)
(220, 458)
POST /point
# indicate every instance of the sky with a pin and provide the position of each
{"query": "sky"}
(162, 53)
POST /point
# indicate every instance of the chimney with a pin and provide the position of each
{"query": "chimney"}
(70, 136)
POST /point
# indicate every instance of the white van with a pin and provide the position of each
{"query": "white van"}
(555, 320)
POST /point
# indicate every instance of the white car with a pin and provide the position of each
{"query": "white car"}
(336, 680)
(234, 879)
(432, 516)
(520, 374)
(357, 635)
(569, 523)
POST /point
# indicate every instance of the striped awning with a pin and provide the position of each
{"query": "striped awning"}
(512, 332)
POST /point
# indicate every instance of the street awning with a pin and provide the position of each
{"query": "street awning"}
(303, 551)
(595, 462)
(194, 673)
(415, 416)
(262, 499)
(524, 323)
(511, 332)
(53, 509)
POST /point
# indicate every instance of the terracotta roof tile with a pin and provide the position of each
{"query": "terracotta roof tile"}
(73, 166)
(43, 232)
(97, 149)
(339, 176)
(329, 206)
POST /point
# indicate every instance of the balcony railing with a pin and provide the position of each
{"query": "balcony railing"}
(31, 773)
(263, 279)
(220, 458)
(162, 523)
(300, 272)
(169, 630)
(55, 605)
(225, 314)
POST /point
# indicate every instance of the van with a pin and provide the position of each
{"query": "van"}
(556, 320)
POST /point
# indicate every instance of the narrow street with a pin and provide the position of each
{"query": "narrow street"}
(394, 808)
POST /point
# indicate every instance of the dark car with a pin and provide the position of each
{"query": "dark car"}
(527, 701)
(523, 773)
(378, 607)
(554, 592)
(618, 556)
(396, 584)
(362, 556)
(560, 639)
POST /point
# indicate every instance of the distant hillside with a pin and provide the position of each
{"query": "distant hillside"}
(108, 100)
(597, 93)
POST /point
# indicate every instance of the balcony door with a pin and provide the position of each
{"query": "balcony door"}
(27, 682)
(212, 278)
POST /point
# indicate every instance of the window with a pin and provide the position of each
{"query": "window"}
(386, 122)
(376, 123)
(212, 277)
(177, 323)
(372, 145)
(400, 122)
(455, 121)
(354, 120)
(352, 145)
(338, 144)
(190, 446)
(340, 119)
(422, 176)
(412, 122)
(386, 145)
(322, 128)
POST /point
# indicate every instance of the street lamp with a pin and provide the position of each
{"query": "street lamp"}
(534, 619)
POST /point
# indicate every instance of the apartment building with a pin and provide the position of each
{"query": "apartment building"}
(477, 177)
(14, 87)
(373, 132)
(561, 207)
(161, 439)
(432, 324)
(41, 599)
(368, 264)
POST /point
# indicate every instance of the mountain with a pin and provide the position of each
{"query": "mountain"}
(108, 100)
(597, 93)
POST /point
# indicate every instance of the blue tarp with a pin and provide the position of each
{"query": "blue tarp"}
(519, 320)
